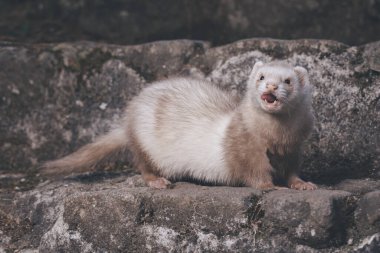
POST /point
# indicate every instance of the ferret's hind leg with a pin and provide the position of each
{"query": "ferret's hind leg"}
(150, 174)
(144, 164)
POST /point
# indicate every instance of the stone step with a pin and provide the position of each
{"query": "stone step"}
(123, 215)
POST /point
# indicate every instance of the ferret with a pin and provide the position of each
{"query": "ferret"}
(189, 128)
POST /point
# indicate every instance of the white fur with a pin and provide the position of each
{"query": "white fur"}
(190, 142)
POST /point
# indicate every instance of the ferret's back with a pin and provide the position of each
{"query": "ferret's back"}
(188, 93)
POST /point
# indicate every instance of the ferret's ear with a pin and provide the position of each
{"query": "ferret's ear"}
(302, 75)
(255, 68)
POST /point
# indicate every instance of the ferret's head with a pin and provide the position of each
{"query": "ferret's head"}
(278, 87)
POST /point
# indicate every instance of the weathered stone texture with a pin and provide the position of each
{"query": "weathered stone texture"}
(368, 213)
(121, 214)
(313, 218)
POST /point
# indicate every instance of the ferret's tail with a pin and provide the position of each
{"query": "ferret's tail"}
(88, 156)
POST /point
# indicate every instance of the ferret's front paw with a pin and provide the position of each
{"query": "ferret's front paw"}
(159, 183)
(302, 185)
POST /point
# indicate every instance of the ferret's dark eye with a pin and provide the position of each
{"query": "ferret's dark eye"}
(287, 81)
(261, 77)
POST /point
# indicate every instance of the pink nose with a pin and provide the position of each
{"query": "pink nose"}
(272, 86)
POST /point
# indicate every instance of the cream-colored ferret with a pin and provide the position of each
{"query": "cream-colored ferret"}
(188, 128)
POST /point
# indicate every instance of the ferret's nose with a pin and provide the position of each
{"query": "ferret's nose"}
(272, 86)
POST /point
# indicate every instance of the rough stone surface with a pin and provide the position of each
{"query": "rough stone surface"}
(315, 218)
(357, 187)
(220, 21)
(121, 214)
(368, 213)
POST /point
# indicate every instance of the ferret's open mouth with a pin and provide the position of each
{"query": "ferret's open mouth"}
(269, 98)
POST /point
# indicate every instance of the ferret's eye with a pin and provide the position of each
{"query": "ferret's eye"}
(287, 81)
(262, 77)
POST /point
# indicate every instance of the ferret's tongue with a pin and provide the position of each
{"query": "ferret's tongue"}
(270, 98)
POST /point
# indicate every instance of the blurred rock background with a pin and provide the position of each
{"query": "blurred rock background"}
(352, 22)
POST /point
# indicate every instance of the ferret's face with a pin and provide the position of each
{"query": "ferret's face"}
(275, 88)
